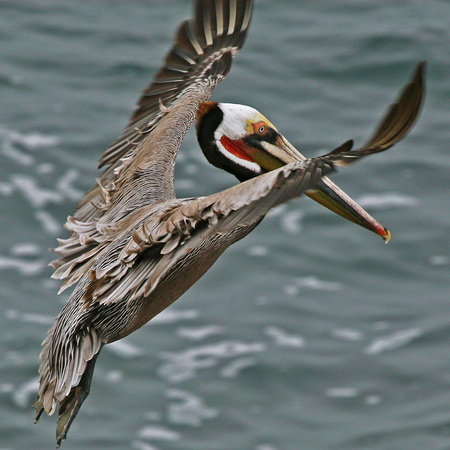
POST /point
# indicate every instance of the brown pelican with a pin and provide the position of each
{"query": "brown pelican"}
(134, 248)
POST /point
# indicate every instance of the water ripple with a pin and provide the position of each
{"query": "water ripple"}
(347, 334)
(172, 315)
(392, 341)
(387, 200)
(36, 195)
(125, 349)
(23, 266)
(185, 364)
(283, 338)
(199, 333)
(189, 409)
(233, 369)
(24, 393)
(158, 432)
(12, 141)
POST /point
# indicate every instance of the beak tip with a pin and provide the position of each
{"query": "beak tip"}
(386, 236)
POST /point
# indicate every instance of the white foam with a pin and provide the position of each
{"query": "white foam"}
(291, 222)
(20, 157)
(45, 168)
(143, 446)
(341, 392)
(283, 338)
(387, 200)
(158, 432)
(30, 141)
(173, 315)
(184, 183)
(24, 266)
(277, 211)
(439, 260)
(189, 409)
(199, 333)
(114, 376)
(37, 196)
(125, 349)
(266, 447)
(6, 189)
(184, 365)
(315, 283)
(48, 223)
(347, 334)
(6, 388)
(392, 341)
(372, 400)
(64, 185)
(26, 249)
(233, 369)
(24, 393)
(294, 288)
(258, 251)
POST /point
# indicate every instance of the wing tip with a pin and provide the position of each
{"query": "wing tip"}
(403, 113)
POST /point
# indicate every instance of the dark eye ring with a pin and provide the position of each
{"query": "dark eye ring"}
(262, 128)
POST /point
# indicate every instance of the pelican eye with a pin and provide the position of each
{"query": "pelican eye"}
(260, 127)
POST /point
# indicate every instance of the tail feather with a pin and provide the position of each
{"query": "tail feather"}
(63, 361)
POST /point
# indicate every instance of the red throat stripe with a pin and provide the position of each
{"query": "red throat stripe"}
(234, 148)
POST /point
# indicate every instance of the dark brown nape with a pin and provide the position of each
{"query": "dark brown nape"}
(203, 109)
(209, 117)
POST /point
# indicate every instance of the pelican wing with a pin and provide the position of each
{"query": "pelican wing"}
(137, 250)
(402, 114)
(134, 265)
(200, 58)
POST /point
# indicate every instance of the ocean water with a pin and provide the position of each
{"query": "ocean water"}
(308, 334)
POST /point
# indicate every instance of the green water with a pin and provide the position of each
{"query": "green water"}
(310, 333)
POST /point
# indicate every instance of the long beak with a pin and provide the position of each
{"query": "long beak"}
(327, 194)
(395, 125)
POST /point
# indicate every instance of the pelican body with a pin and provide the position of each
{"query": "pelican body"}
(134, 248)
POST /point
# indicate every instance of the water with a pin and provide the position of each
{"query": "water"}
(310, 333)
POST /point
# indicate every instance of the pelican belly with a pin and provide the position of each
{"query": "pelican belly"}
(192, 262)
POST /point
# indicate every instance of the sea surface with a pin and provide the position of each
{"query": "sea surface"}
(308, 334)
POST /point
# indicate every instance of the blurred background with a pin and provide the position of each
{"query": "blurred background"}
(310, 333)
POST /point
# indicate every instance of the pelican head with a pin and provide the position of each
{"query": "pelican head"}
(242, 141)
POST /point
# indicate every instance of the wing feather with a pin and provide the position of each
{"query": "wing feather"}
(135, 266)
(185, 64)
(137, 260)
(128, 258)
(402, 114)
(199, 59)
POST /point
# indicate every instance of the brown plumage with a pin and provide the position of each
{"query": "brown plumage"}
(134, 248)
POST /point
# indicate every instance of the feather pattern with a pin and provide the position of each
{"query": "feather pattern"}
(134, 248)
(134, 260)
(137, 182)
(200, 58)
(401, 115)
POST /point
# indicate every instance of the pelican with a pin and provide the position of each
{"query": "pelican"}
(134, 247)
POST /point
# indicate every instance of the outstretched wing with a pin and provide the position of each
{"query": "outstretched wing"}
(132, 264)
(401, 115)
(200, 58)
(129, 264)
(158, 244)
